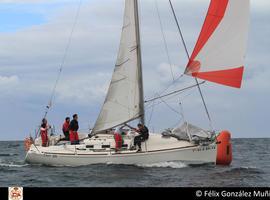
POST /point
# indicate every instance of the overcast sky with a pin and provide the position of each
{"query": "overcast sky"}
(34, 34)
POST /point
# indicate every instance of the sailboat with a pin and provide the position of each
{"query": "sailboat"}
(218, 57)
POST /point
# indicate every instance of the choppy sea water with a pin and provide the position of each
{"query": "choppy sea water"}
(250, 168)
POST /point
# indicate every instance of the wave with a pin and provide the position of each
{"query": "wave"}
(7, 154)
(243, 170)
(250, 169)
(13, 145)
(12, 165)
(247, 168)
(174, 165)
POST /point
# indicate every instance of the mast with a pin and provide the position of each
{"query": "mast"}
(139, 57)
(125, 97)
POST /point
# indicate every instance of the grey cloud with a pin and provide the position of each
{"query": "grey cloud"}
(34, 54)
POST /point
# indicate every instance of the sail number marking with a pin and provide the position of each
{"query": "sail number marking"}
(204, 149)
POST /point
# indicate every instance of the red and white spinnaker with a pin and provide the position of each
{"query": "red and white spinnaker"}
(220, 50)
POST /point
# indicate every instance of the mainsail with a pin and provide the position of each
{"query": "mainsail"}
(220, 50)
(124, 101)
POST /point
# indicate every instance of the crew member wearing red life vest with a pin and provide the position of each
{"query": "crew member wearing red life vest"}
(118, 139)
(73, 130)
(65, 129)
(44, 133)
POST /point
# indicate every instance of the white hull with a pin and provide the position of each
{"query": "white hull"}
(159, 150)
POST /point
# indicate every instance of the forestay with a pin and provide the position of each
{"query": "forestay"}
(124, 98)
(220, 50)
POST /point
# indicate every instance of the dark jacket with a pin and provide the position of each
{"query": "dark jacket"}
(144, 132)
(74, 125)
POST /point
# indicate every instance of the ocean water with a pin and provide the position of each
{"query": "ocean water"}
(250, 167)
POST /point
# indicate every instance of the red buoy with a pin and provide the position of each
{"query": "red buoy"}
(224, 148)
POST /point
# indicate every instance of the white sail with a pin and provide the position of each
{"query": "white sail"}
(124, 101)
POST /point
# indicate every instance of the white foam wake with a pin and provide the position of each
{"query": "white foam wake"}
(12, 165)
(174, 165)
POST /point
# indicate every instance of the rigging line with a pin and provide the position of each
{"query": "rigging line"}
(205, 106)
(64, 58)
(183, 98)
(170, 85)
(173, 96)
(174, 110)
(61, 66)
(164, 40)
(175, 92)
(168, 98)
(167, 51)
(197, 82)
(151, 114)
(179, 29)
(163, 101)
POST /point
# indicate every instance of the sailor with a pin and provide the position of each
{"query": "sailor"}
(143, 132)
(73, 130)
(44, 132)
(65, 128)
(118, 139)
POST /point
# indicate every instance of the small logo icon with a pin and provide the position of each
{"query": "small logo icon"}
(15, 193)
(199, 193)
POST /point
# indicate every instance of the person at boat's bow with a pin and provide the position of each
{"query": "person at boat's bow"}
(44, 132)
